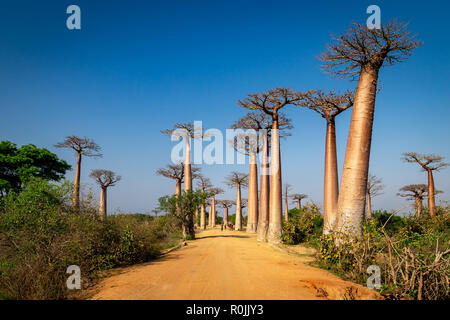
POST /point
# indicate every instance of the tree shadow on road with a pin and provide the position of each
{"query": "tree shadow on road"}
(222, 236)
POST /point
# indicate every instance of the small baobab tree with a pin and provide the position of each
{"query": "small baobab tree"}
(429, 163)
(226, 205)
(106, 179)
(83, 147)
(212, 211)
(374, 188)
(203, 184)
(238, 180)
(271, 102)
(287, 188)
(360, 53)
(175, 172)
(414, 192)
(155, 212)
(329, 105)
(298, 197)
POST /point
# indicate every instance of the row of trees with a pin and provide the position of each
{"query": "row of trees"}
(358, 54)
(85, 147)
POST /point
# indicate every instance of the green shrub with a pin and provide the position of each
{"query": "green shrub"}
(40, 236)
(412, 253)
(303, 225)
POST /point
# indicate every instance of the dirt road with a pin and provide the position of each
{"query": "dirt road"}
(227, 265)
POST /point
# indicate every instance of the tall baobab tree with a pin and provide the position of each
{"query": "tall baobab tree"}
(226, 205)
(185, 131)
(360, 53)
(83, 147)
(203, 184)
(287, 189)
(271, 103)
(106, 179)
(329, 105)
(261, 122)
(429, 163)
(298, 197)
(212, 212)
(238, 180)
(415, 192)
(374, 188)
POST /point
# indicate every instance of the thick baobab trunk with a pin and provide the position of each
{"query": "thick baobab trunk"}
(368, 206)
(102, 208)
(225, 215)
(263, 219)
(196, 217)
(299, 204)
(331, 183)
(238, 222)
(252, 220)
(418, 207)
(202, 217)
(178, 188)
(353, 187)
(187, 167)
(213, 211)
(275, 211)
(76, 185)
(188, 186)
(286, 209)
(210, 216)
(431, 201)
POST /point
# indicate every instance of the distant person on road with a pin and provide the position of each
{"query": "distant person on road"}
(221, 227)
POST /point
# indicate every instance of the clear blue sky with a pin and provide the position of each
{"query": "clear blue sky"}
(137, 67)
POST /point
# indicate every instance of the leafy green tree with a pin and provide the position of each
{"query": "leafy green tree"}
(182, 207)
(18, 165)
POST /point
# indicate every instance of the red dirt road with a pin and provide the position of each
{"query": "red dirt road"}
(227, 265)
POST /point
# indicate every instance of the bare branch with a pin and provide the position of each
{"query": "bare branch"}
(83, 146)
(360, 47)
(105, 178)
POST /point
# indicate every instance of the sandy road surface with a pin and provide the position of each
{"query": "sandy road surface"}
(227, 265)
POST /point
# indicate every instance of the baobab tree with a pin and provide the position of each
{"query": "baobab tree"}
(187, 131)
(374, 188)
(176, 172)
(226, 205)
(359, 53)
(429, 163)
(271, 102)
(83, 147)
(261, 122)
(414, 192)
(238, 180)
(287, 188)
(212, 212)
(329, 105)
(106, 179)
(203, 184)
(298, 197)
(155, 212)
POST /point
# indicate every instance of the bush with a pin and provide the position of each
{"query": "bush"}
(412, 254)
(303, 225)
(40, 237)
